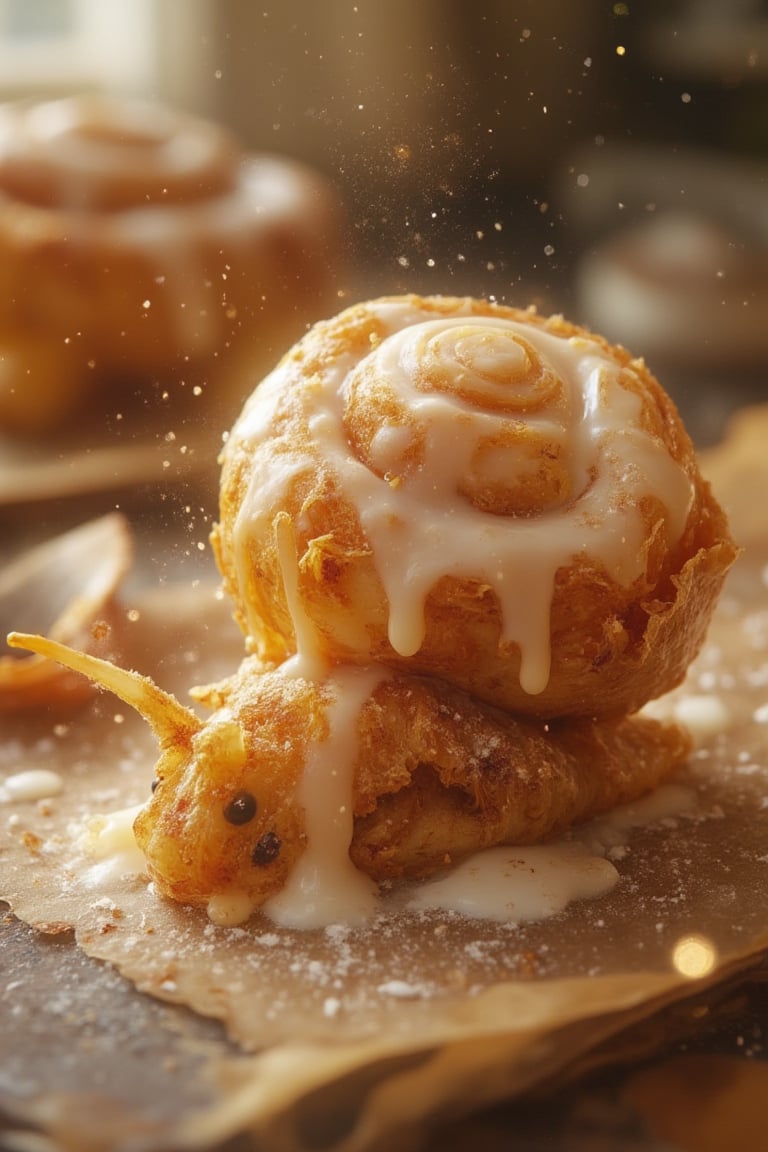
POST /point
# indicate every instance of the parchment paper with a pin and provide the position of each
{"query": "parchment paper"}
(347, 1039)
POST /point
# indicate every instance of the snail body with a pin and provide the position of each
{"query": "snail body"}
(387, 777)
(364, 775)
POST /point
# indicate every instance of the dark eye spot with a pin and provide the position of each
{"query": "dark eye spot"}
(267, 849)
(241, 808)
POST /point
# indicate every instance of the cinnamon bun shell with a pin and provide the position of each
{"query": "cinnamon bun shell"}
(499, 500)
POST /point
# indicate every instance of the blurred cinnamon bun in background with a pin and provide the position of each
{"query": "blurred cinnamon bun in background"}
(142, 256)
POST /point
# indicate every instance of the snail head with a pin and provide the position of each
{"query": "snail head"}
(220, 828)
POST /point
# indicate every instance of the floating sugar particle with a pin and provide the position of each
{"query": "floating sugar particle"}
(686, 97)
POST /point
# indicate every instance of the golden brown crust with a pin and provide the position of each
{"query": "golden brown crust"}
(613, 647)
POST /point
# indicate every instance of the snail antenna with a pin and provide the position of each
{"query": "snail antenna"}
(171, 722)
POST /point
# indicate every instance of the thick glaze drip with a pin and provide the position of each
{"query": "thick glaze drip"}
(324, 886)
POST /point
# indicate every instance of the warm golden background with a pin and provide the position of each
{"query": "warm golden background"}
(489, 147)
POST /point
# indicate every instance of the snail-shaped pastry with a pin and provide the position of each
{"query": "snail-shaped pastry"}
(452, 532)
(502, 501)
(136, 241)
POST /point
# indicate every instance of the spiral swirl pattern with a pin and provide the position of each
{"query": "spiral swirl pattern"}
(500, 411)
(469, 480)
(481, 388)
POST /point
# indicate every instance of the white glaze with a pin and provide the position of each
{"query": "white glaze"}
(519, 884)
(307, 661)
(110, 842)
(230, 908)
(32, 784)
